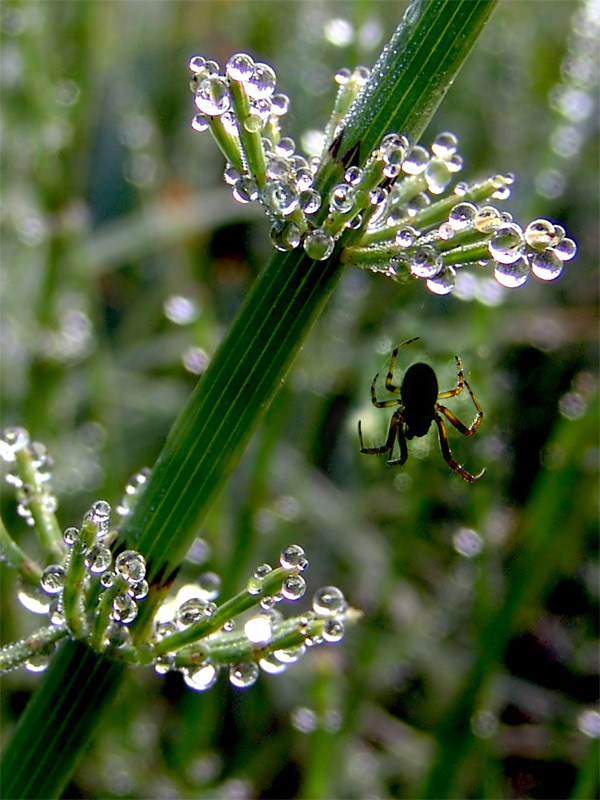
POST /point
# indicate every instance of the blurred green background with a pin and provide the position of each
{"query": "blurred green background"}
(124, 259)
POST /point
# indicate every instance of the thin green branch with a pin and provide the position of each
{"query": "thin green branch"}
(10, 552)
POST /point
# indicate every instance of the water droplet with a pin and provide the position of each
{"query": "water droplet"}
(108, 579)
(304, 179)
(280, 104)
(406, 237)
(281, 197)
(285, 147)
(546, 266)
(426, 262)
(467, 542)
(197, 64)
(290, 555)
(33, 599)
(240, 67)
(437, 175)
(310, 201)
(200, 123)
(131, 565)
(262, 81)
(511, 276)
(11, 441)
(393, 149)
(290, 655)
(285, 235)
(353, 175)
(507, 244)
(55, 612)
(279, 168)
(37, 663)
(377, 196)
(444, 144)
(328, 601)
(341, 198)
(231, 175)
(70, 535)
(333, 630)
(462, 215)
(116, 636)
(262, 570)
(318, 244)
(342, 76)
(189, 612)
(293, 587)
(416, 161)
(124, 609)
(245, 190)
(487, 219)
(244, 674)
(254, 586)
(53, 579)
(540, 234)
(139, 591)
(99, 513)
(253, 123)
(213, 98)
(164, 664)
(200, 679)
(98, 559)
(271, 665)
(443, 282)
(565, 249)
(259, 630)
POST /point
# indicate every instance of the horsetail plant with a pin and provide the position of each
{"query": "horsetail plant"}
(370, 197)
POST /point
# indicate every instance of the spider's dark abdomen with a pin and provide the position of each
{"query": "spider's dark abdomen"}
(419, 393)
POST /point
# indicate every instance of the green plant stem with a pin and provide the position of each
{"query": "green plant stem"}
(89, 681)
(230, 609)
(10, 552)
(208, 438)
(46, 523)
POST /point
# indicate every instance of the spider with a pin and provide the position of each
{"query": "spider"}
(418, 408)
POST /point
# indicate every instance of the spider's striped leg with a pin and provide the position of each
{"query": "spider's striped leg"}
(447, 453)
(459, 385)
(403, 448)
(383, 403)
(454, 420)
(388, 381)
(389, 444)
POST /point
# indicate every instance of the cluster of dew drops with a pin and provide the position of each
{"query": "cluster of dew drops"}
(257, 632)
(394, 204)
(118, 583)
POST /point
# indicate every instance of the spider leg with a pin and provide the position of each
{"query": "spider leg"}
(403, 448)
(459, 386)
(447, 453)
(389, 444)
(382, 403)
(388, 381)
(453, 419)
